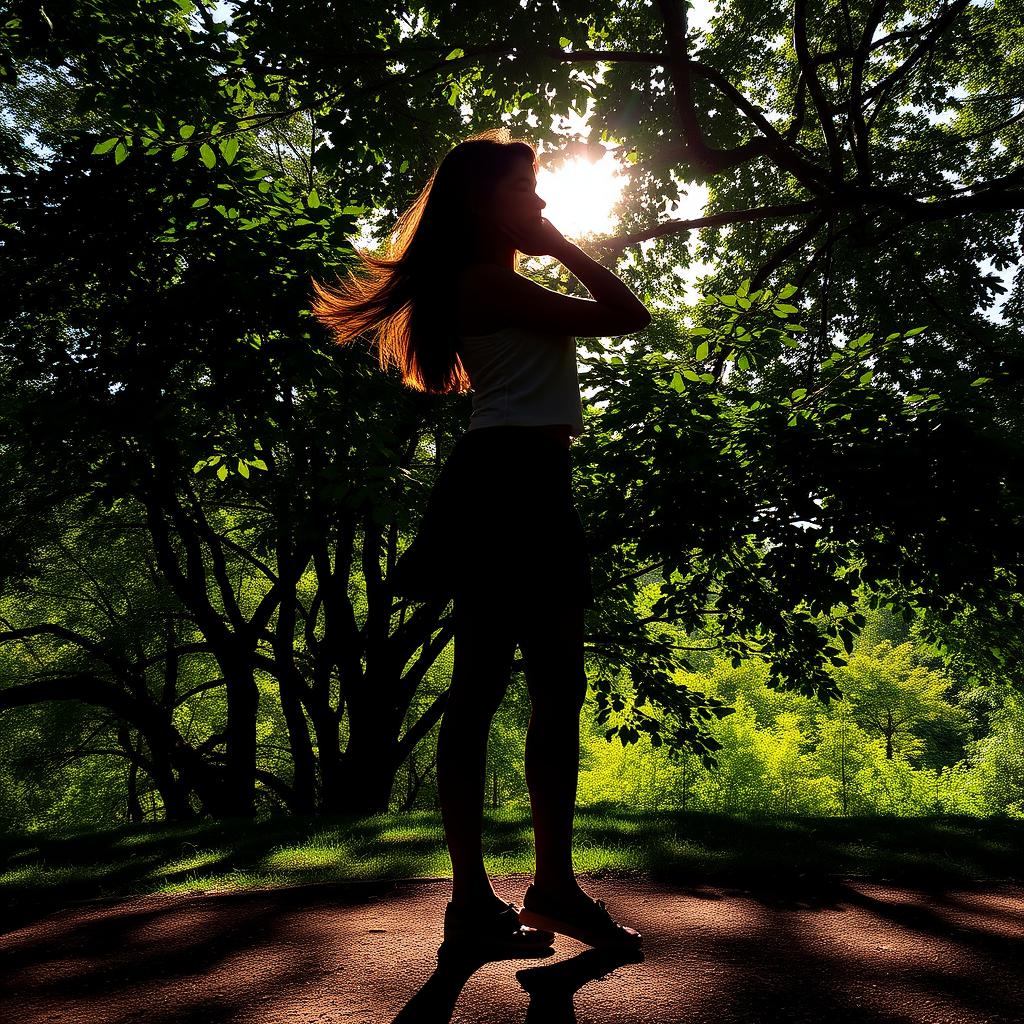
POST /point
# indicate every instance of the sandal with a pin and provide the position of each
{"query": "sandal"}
(592, 925)
(493, 932)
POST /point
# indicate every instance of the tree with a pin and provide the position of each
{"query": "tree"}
(841, 751)
(98, 629)
(895, 698)
(172, 388)
(997, 760)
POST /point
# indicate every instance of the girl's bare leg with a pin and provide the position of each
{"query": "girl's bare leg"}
(551, 640)
(484, 647)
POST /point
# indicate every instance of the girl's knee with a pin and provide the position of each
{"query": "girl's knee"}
(562, 693)
(474, 699)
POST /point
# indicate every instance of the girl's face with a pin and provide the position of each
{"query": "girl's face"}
(515, 201)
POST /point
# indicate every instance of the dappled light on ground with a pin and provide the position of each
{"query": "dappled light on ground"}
(845, 951)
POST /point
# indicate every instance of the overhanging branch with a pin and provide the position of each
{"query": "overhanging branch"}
(672, 227)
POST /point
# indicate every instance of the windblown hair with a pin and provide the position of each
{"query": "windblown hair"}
(404, 297)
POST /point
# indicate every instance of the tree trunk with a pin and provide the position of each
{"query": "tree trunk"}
(367, 777)
(842, 770)
(290, 681)
(134, 807)
(240, 737)
(304, 778)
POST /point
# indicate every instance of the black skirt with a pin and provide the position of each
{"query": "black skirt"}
(500, 524)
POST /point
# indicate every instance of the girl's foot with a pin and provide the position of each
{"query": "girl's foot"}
(489, 931)
(572, 912)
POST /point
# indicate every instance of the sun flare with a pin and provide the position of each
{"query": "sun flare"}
(581, 195)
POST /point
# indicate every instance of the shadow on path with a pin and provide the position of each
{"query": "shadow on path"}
(844, 951)
(551, 988)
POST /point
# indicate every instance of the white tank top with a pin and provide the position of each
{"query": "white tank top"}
(522, 377)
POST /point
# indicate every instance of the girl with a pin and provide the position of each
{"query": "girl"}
(501, 534)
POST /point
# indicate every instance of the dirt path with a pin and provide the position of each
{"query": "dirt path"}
(841, 951)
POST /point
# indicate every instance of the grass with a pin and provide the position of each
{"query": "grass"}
(42, 873)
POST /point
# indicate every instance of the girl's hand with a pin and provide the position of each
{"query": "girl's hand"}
(536, 238)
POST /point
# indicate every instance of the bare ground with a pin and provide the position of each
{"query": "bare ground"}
(833, 951)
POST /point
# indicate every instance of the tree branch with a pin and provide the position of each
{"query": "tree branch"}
(881, 90)
(785, 251)
(807, 69)
(423, 724)
(671, 227)
(80, 686)
(673, 14)
(861, 150)
(93, 647)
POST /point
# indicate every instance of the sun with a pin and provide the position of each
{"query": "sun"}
(581, 195)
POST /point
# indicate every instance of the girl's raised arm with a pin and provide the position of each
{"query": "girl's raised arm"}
(515, 300)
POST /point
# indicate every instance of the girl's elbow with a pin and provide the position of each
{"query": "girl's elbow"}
(642, 321)
(625, 322)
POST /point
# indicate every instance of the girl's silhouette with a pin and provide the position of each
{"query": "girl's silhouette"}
(501, 534)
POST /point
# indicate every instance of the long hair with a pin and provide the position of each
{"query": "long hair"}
(404, 297)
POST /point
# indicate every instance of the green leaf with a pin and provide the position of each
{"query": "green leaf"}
(104, 147)
(789, 290)
(186, 131)
(798, 394)
(913, 331)
(690, 375)
(243, 469)
(120, 153)
(455, 54)
(222, 472)
(784, 307)
(403, 167)
(200, 202)
(201, 464)
(562, 41)
(179, 152)
(207, 154)
(677, 382)
(702, 350)
(229, 149)
(313, 199)
(257, 464)
(866, 376)
(979, 381)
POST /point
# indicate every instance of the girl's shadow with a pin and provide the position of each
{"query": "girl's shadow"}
(551, 988)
